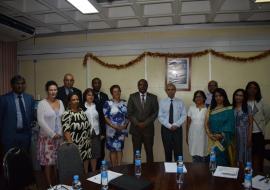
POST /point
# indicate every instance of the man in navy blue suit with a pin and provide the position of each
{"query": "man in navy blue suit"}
(16, 116)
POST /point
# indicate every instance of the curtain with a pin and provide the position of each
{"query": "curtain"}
(8, 64)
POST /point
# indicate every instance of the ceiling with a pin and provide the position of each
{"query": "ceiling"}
(58, 16)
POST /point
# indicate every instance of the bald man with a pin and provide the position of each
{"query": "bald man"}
(67, 88)
(172, 114)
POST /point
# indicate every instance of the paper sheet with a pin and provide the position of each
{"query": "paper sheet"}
(257, 184)
(227, 172)
(60, 187)
(111, 175)
(170, 167)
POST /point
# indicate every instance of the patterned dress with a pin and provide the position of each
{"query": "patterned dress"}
(77, 124)
(116, 112)
(242, 128)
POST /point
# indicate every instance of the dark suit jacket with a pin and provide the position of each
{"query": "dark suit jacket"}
(8, 116)
(99, 106)
(147, 115)
(61, 94)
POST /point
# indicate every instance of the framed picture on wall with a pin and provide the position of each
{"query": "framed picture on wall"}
(178, 72)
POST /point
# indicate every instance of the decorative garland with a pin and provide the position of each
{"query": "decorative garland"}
(175, 55)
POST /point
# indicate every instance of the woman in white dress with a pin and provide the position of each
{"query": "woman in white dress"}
(93, 118)
(49, 114)
(195, 133)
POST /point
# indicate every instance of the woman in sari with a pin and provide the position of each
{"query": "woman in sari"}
(220, 128)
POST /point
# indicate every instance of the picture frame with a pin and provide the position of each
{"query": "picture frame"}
(178, 72)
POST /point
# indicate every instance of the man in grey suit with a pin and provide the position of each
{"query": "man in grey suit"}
(142, 112)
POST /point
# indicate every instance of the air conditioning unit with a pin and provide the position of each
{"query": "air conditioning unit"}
(13, 30)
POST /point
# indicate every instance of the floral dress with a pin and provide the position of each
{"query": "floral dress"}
(78, 125)
(116, 112)
(242, 128)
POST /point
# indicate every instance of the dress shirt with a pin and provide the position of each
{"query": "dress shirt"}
(145, 95)
(68, 90)
(179, 112)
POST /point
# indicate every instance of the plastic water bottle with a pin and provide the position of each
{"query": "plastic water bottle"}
(104, 175)
(76, 184)
(248, 176)
(180, 171)
(138, 164)
(212, 163)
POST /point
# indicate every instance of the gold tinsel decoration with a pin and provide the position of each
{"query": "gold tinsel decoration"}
(176, 55)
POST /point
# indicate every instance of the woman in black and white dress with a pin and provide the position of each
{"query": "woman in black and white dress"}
(76, 128)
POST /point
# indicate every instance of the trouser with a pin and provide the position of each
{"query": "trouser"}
(102, 153)
(148, 141)
(20, 140)
(172, 142)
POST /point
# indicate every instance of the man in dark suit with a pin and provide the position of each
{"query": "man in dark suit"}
(64, 91)
(100, 99)
(16, 116)
(142, 112)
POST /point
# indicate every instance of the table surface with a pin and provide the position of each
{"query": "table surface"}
(198, 177)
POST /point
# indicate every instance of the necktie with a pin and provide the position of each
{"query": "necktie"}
(143, 100)
(171, 113)
(24, 119)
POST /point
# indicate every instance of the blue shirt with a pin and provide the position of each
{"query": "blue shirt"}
(18, 111)
(179, 112)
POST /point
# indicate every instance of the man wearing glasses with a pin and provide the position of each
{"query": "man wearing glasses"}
(68, 88)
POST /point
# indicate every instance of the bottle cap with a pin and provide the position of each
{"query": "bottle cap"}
(213, 149)
(180, 158)
(75, 177)
(103, 162)
(249, 164)
(137, 152)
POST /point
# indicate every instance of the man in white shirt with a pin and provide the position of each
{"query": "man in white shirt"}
(172, 114)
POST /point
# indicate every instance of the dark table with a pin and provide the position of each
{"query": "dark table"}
(198, 177)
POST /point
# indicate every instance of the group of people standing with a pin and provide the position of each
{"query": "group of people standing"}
(236, 131)
(92, 121)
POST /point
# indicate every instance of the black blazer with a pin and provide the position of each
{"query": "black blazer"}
(99, 106)
(61, 94)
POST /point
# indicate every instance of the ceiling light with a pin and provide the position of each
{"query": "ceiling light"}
(84, 6)
(262, 1)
